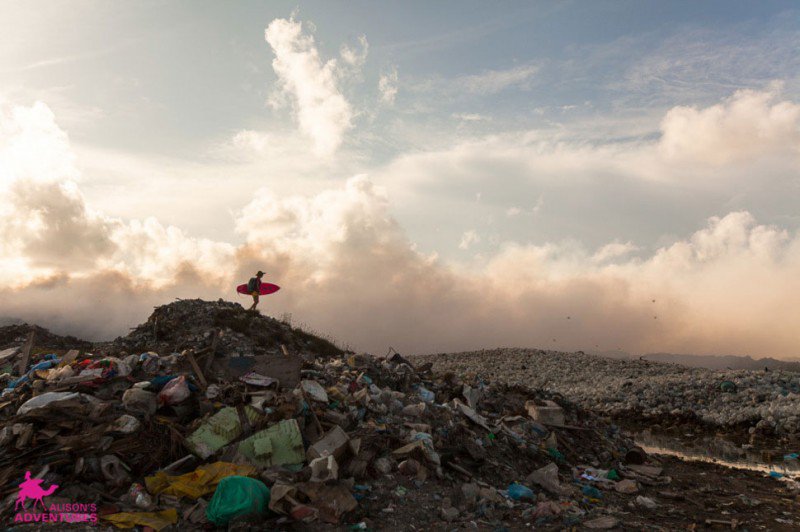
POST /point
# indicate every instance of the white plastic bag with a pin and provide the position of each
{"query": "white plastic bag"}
(174, 391)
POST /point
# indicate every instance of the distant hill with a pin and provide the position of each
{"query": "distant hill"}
(723, 361)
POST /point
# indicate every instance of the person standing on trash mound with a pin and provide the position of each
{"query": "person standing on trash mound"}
(254, 288)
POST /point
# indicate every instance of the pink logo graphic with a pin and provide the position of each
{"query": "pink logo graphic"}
(30, 489)
(70, 512)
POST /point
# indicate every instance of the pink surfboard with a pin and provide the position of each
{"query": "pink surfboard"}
(266, 289)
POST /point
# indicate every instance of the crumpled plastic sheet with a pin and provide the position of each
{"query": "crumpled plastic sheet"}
(199, 482)
(59, 399)
(155, 520)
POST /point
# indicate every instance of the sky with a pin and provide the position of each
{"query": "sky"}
(428, 176)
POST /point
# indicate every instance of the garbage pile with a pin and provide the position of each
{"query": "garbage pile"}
(211, 416)
(192, 322)
(765, 403)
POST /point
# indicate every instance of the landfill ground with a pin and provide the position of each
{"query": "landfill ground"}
(210, 417)
(760, 406)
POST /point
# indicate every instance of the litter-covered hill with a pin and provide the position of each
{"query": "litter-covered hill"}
(758, 402)
(208, 416)
(16, 335)
(723, 362)
(194, 322)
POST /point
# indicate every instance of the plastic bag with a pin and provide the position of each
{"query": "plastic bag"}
(426, 395)
(125, 424)
(149, 363)
(518, 492)
(138, 401)
(155, 520)
(199, 482)
(46, 364)
(314, 390)
(55, 399)
(174, 391)
(61, 373)
(237, 496)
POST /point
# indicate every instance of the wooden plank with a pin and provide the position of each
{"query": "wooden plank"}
(26, 354)
(213, 350)
(314, 417)
(285, 351)
(197, 371)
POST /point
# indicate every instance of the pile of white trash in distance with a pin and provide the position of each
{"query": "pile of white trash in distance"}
(766, 401)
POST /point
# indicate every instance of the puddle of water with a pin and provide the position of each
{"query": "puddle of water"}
(719, 451)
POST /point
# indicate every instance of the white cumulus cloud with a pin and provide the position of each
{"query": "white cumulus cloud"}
(322, 111)
(747, 125)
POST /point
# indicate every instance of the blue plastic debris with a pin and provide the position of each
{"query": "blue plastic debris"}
(518, 492)
(591, 491)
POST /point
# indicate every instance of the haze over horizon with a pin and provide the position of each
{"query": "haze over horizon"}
(456, 176)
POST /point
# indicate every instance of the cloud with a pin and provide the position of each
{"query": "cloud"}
(46, 228)
(387, 86)
(24, 132)
(471, 117)
(349, 269)
(494, 81)
(748, 125)
(149, 252)
(353, 56)
(468, 239)
(514, 211)
(322, 111)
(751, 133)
(252, 141)
(614, 250)
(485, 83)
(43, 220)
(700, 62)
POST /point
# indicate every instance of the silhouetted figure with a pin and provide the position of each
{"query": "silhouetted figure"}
(254, 287)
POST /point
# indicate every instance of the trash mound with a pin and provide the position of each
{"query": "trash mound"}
(16, 335)
(761, 403)
(227, 430)
(191, 322)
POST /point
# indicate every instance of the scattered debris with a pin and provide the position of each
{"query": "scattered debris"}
(209, 415)
(768, 403)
